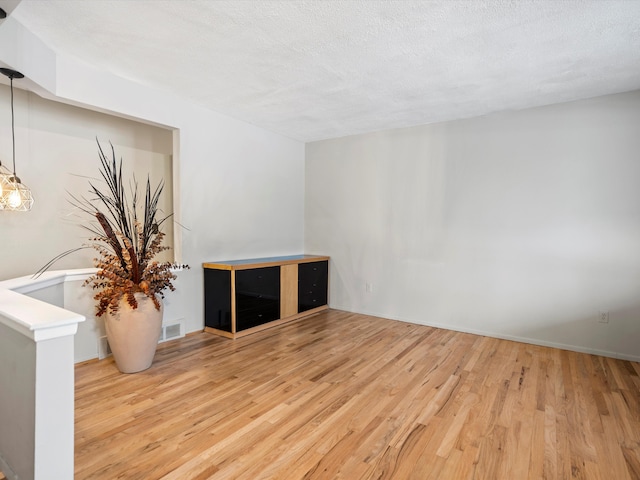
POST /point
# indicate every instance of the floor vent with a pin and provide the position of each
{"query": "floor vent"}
(174, 330)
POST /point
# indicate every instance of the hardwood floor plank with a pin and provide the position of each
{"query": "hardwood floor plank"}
(550, 466)
(346, 396)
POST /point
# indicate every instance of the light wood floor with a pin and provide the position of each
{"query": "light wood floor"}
(348, 396)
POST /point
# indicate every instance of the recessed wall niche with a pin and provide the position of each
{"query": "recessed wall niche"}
(56, 156)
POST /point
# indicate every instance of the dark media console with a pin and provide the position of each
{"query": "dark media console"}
(245, 296)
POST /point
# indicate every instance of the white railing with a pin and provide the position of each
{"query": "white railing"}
(37, 377)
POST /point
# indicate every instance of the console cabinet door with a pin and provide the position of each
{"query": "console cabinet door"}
(217, 299)
(257, 296)
(313, 281)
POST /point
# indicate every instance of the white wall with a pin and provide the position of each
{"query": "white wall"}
(239, 189)
(520, 225)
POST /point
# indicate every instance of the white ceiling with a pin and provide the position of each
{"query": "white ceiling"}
(314, 69)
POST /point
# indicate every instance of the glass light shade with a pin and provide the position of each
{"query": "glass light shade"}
(16, 196)
(5, 175)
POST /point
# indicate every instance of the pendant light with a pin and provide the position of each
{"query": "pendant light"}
(14, 195)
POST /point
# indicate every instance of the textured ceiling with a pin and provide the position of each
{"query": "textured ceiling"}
(320, 69)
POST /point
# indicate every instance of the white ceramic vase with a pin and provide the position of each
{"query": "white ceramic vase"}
(133, 334)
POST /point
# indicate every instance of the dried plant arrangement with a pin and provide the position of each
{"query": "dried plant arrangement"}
(127, 240)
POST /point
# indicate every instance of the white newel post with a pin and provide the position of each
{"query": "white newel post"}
(36, 388)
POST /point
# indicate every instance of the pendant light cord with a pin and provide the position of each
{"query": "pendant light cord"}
(13, 131)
